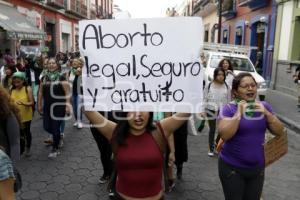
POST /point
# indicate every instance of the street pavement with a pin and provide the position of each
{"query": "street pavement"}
(74, 174)
(285, 107)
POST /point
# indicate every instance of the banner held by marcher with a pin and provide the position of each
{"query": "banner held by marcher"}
(142, 64)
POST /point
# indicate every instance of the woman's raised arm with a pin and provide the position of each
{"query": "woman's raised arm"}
(170, 124)
(105, 126)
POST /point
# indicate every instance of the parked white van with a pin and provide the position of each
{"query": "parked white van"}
(239, 58)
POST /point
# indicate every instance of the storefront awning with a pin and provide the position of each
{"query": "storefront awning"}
(17, 26)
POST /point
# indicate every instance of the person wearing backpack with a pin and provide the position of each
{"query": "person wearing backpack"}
(226, 65)
(23, 97)
(216, 94)
(138, 157)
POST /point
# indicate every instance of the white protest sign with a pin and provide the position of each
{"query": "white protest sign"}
(142, 64)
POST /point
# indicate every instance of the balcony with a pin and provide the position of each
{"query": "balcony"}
(83, 11)
(93, 12)
(204, 7)
(253, 4)
(77, 8)
(229, 9)
(56, 3)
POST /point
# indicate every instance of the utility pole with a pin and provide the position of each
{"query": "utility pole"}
(220, 21)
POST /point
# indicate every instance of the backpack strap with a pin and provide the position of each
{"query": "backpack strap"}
(226, 85)
(33, 105)
(208, 87)
(161, 140)
(160, 137)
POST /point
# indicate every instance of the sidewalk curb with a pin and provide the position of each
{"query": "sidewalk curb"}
(290, 123)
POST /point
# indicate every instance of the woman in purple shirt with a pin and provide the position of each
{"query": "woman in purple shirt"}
(242, 126)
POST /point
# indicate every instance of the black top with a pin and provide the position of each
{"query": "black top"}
(180, 142)
(54, 97)
(77, 82)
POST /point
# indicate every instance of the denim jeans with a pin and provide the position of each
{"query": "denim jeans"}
(77, 102)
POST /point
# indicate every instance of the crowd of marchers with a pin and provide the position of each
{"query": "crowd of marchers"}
(137, 149)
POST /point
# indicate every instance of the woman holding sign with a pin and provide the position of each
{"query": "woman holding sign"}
(136, 144)
(243, 123)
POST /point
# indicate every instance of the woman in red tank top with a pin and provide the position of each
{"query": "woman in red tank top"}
(139, 161)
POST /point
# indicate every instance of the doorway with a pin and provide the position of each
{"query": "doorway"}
(239, 36)
(258, 40)
(50, 42)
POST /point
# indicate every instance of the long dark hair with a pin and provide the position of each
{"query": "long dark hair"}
(216, 72)
(57, 63)
(6, 78)
(121, 131)
(229, 62)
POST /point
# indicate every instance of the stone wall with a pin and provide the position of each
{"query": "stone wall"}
(282, 79)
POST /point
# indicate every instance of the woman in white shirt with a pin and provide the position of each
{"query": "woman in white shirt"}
(226, 65)
(216, 94)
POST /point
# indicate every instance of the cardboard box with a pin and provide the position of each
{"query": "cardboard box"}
(275, 147)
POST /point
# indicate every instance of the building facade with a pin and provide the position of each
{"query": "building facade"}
(58, 19)
(287, 46)
(185, 8)
(208, 10)
(251, 23)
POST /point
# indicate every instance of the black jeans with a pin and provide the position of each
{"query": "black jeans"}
(241, 184)
(56, 136)
(26, 138)
(105, 151)
(212, 121)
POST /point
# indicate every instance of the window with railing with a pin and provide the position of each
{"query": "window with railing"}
(83, 10)
(56, 2)
(78, 7)
(66, 3)
(227, 5)
(253, 4)
(100, 13)
(93, 11)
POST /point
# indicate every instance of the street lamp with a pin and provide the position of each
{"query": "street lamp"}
(220, 21)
